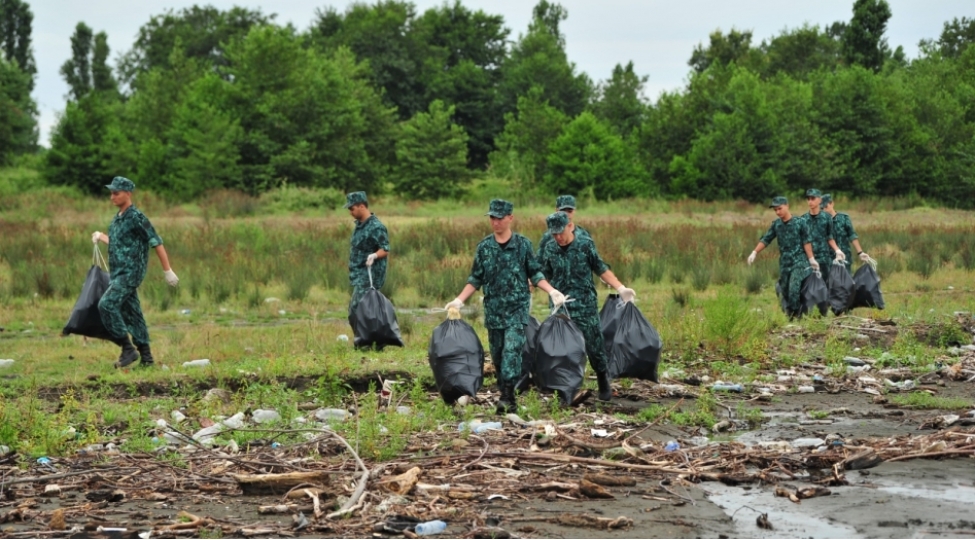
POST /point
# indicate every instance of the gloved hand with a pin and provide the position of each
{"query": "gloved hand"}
(557, 298)
(626, 295)
(371, 259)
(751, 258)
(171, 278)
(840, 257)
(864, 257)
(96, 237)
(814, 264)
(456, 303)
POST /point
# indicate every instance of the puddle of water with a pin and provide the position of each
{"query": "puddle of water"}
(789, 522)
(946, 492)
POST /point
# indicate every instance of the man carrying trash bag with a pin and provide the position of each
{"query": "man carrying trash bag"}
(569, 261)
(369, 249)
(504, 263)
(795, 254)
(130, 235)
(820, 225)
(567, 204)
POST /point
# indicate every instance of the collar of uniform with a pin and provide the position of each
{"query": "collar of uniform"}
(362, 223)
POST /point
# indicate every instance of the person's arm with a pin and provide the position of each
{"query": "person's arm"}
(473, 283)
(163, 258)
(809, 252)
(759, 247)
(856, 244)
(610, 278)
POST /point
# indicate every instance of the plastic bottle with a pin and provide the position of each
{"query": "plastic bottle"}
(723, 387)
(485, 426)
(807, 442)
(44, 460)
(6, 363)
(430, 527)
(331, 415)
(671, 446)
(806, 389)
(853, 361)
(197, 363)
(4, 449)
(262, 416)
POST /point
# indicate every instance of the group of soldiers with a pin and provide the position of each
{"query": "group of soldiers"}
(808, 243)
(506, 267)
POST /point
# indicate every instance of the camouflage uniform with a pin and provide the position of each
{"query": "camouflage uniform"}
(547, 238)
(820, 233)
(793, 263)
(130, 237)
(368, 237)
(569, 269)
(562, 202)
(843, 233)
(502, 274)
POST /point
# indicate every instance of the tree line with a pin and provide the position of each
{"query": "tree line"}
(381, 97)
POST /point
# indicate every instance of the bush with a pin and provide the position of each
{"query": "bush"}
(296, 199)
(730, 327)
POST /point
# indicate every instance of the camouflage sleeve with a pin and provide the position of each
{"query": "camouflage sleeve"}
(599, 267)
(802, 227)
(829, 229)
(769, 235)
(532, 267)
(476, 278)
(150, 232)
(849, 226)
(381, 237)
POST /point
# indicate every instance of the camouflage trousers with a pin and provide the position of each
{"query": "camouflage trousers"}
(122, 313)
(595, 349)
(790, 282)
(506, 346)
(825, 263)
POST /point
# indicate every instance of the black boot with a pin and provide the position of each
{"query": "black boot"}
(145, 353)
(506, 403)
(605, 390)
(129, 354)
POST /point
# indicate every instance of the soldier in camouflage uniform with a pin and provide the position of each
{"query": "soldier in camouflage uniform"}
(843, 232)
(369, 250)
(569, 261)
(795, 252)
(129, 238)
(567, 204)
(821, 233)
(504, 264)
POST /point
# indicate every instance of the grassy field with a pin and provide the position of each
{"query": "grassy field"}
(263, 295)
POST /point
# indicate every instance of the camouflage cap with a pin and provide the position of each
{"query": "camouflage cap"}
(557, 222)
(827, 198)
(120, 183)
(813, 193)
(565, 201)
(778, 201)
(354, 198)
(500, 208)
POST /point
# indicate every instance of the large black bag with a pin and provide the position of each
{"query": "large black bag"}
(609, 318)
(841, 289)
(867, 288)
(634, 350)
(814, 294)
(457, 359)
(374, 322)
(528, 355)
(85, 319)
(560, 357)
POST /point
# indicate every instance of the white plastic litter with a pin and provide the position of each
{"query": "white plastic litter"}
(331, 415)
(197, 363)
(5, 363)
(263, 416)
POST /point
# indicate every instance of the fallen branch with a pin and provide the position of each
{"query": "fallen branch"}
(61, 475)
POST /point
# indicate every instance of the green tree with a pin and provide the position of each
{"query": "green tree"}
(87, 70)
(620, 101)
(84, 144)
(801, 51)
(18, 113)
(523, 147)
(864, 43)
(589, 157)
(16, 20)
(431, 154)
(956, 36)
(735, 47)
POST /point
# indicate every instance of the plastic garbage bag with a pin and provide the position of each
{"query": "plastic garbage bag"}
(634, 350)
(867, 288)
(375, 322)
(841, 289)
(609, 317)
(814, 294)
(560, 357)
(85, 319)
(457, 359)
(528, 355)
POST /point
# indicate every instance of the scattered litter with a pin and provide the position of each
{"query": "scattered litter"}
(599, 433)
(807, 442)
(5, 363)
(343, 337)
(263, 416)
(724, 387)
(430, 527)
(332, 415)
(671, 446)
(197, 363)
(806, 389)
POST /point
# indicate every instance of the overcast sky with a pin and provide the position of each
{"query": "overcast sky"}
(657, 35)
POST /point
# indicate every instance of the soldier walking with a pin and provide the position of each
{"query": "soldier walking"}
(567, 204)
(369, 249)
(795, 252)
(843, 232)
(821, 233)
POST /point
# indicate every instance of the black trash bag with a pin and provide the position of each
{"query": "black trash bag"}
(814, 294)
(841, 289)
(609, 317)
(635, 348)
(560, 357)
(527, 355)
(457, 359)
(85, 319)
(374, 322)
(867, 288)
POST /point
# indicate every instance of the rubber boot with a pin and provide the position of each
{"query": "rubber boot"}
(605, 390)
(129, 354)
(145, 354)
(506, 403)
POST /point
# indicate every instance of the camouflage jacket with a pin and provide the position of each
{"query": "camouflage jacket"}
(570, 270)
(843, 233)
(502, 275)
(368, 237)
(820, 233)
(130, 237)
(547, 238)
(792, 235)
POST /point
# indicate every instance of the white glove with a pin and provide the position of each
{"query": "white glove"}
(371, 259)
(456, 303)
(751, 258)
(96, 237)
(557, 298)
(840, 257)
(864, 257)
(814, 264)
(626, 295)
(171, 278)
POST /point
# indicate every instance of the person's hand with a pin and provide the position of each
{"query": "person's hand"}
(814, 264)
(557, 298)
(626, 294)
(371, 259)
(751, 258)
(96, 237)
(171, 278)
(456, 303)
(864, 257)
(840, 257)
